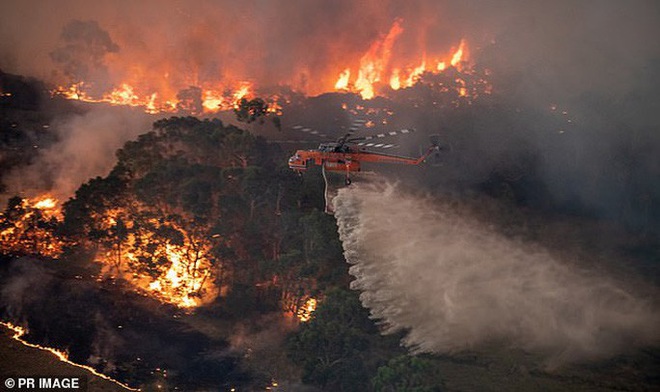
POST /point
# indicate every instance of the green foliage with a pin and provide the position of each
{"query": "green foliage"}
(334, 347)
(91, 199)
(277, 122)
(198, 183)
(408, 374)
(322, 249)
(252, 110)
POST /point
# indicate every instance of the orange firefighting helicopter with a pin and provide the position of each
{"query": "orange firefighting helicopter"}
(346, 154)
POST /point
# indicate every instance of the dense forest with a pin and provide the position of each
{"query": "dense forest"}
(204, 220)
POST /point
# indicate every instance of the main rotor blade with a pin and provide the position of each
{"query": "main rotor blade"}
(377, 145)
(383, 135)
(310, 131)
(354, 127)
(291, 141)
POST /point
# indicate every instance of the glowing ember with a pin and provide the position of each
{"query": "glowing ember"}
(19, 332)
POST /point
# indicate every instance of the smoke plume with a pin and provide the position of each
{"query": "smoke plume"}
(82, 51)
(454, 284)
(26, 286)
(85, 148)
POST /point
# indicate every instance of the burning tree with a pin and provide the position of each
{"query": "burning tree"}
(29, 227)
(187, 212)
(149, 223)
(81, 56)
(193, 212)
(161, 252)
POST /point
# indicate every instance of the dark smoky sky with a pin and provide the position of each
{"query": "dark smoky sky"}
(269, 42)
(292, 40)
(566, 48)
(278, 35)
(597, 63)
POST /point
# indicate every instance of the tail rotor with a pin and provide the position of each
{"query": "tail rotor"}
(435, 140)
(435, 159)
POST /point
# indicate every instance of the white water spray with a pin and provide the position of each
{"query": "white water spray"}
(454, 284)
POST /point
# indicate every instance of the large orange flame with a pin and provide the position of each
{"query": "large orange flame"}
(374, 63)
(375, 66)
(185, 278)
(212, 99)
(342, 82)
(181, 274)
(386, 65)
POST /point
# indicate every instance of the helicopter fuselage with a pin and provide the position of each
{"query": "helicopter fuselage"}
(330, 160)
(340, 157)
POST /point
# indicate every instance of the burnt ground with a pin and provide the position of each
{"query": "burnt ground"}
(120, 332)
(17, 359)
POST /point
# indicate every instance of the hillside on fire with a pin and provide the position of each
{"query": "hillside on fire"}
(331, 196)
(200, 261)
(194, 213)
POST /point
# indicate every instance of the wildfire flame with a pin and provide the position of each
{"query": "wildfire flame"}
(47, 204)
(19, 332)
(185, 274)
(375, 66)
(178, 285)
(381, 68)
(304, 313)
(25, 228)
(458, 55)
(342, 82)
(212, 99)
(185, 278)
